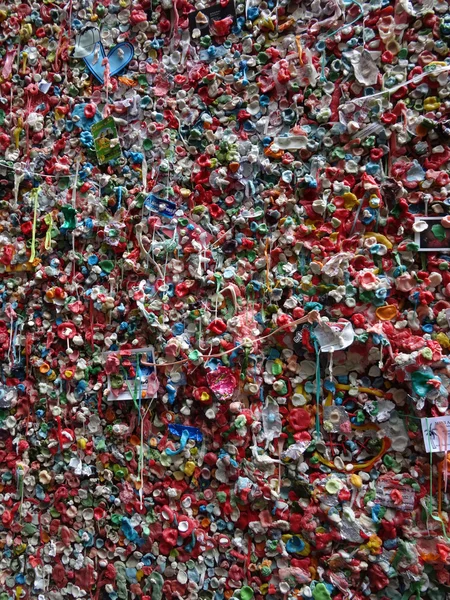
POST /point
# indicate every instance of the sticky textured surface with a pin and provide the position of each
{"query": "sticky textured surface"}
(224, 280)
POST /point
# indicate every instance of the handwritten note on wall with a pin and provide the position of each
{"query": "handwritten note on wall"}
(432, 434)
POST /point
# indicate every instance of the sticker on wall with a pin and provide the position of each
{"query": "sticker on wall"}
(106, 140)
(161, 206)
(131, 374)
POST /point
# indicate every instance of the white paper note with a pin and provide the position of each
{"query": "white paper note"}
(430, 435)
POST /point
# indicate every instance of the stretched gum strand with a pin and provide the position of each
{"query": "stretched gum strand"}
(311, 317)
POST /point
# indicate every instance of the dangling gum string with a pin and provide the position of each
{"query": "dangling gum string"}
(18, 56)
(281, 440)
(139, 383)
(20, 488)
(146, 253)
(35, 194)
(218, 284)
(232, 291)
(74, 265)
(18, 166)
(200, 264)
(430, 499)
(318, 387)
(106, 77)
(70, 18)
(91, 321)
(311, 317)
(28, 345)
(442, 433)
(144, 174)
(99, 404)
(11, 335)
(75, 181)
(48, 220)
(380, 362)
(176, 18)
(11, 100)
(141, 459)
(335, 99)
(59, 432)
(134, 393)
(358, 210)
(276, 16)
(141, 453)
(299, 49)
(437, 71)
(440, 467)
(266, 254)
(200, 316)
(27, 131)
(250, 296)
(58, 50)
(429, 510)
(333, 33)
(263, 314)
(17, 352)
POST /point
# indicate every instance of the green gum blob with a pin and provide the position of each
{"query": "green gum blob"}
(321, 593)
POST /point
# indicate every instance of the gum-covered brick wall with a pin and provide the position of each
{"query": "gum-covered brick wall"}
(225, 300)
